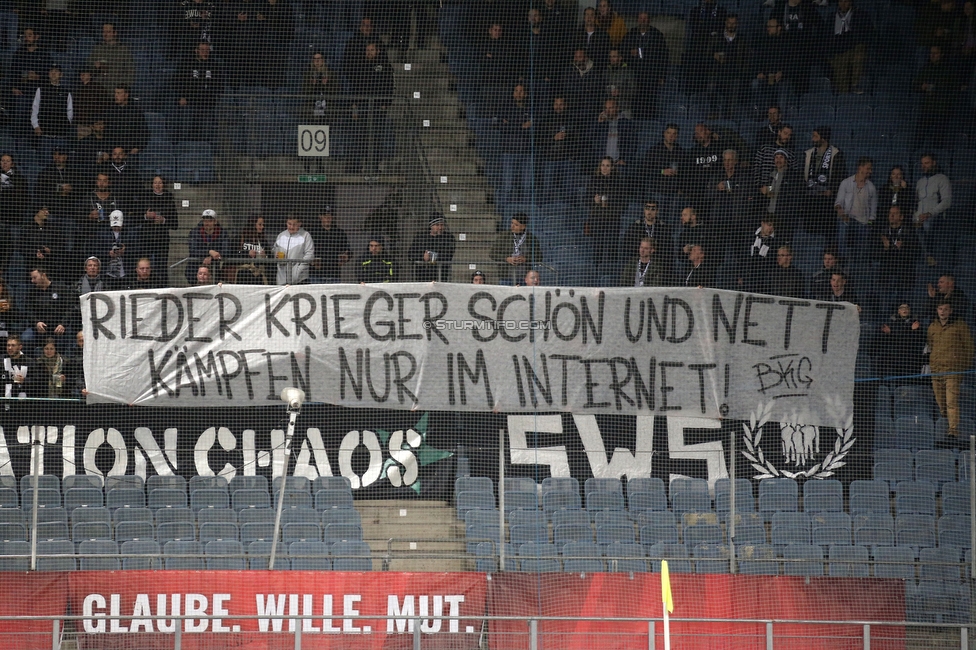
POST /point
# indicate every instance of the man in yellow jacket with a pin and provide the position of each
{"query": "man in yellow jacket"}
(951, 351)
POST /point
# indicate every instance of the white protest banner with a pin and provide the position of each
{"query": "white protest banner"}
(669, 351)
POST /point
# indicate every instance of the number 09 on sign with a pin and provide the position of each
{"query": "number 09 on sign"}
(313, 140)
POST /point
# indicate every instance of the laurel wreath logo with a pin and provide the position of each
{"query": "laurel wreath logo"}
(833, 461)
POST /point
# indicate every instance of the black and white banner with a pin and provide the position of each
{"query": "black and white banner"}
(688, 352)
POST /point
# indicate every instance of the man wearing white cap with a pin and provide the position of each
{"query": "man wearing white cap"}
(118, 247)
(208, 244)
(294, 243)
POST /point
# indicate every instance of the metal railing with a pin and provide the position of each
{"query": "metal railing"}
(300, 626)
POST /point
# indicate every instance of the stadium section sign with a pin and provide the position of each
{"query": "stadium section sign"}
(689, 352)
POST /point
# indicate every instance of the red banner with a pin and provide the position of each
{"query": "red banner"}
(312, 595)
(31, 594)
(695, 596)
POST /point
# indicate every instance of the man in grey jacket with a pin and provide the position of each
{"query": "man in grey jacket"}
(294, 243)
(934, 193)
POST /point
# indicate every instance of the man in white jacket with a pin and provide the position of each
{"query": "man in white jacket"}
(294, 243)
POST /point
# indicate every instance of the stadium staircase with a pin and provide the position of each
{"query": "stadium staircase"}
(417, 535)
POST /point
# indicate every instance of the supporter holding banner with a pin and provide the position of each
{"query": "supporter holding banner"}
(704, 353)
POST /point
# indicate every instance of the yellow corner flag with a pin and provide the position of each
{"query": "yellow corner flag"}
(666, 587)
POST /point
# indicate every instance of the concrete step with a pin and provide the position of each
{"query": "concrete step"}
(414, 535)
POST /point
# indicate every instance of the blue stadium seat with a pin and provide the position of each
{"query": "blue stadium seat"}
(523, 533)
(216, 516)
(675, 554)
(942, 563)
(915, 497)
(744, 499)
(831, 529)
(84, 515)
(869, 497)
(212, 531)
(657, 527)
(615, 534)
(521, 501)
(556, 500)
(467, 500)
(167, 482)
(294, 499)
(168, 515)
(331, 483)
(44, 482)
(46, 498)
(127, 531)
(9, 498)
(19, 564)
(175, 531)
(257, 516)
(935, 466)
(803, 560)
(711, 558)
(309, 556)
(790, 528)
(565, 533)
(914, 433)
(243, 497)
(308, 531)
(894, 562)
(87, 530)
(148, 552)
(477, 534)
(209, 483)
(954, 530)
(602, 485)
(63, 553)
(242, 482)
(184, 555)
(90, 550)
(539, 558)
(777, 495)
(259, 556)
(582, 557)
(759, 559)
(124, 498)
(351, 556)
(13, 532)
(625, 558)
(560, 483)
(848, 561)
(224, 555)
(605, 500)
(693, 501)
(474, 484)
(485, 560)
(13, 516)
(823, 496)
(124, 481)
(81, 481)
(874, 529)
(526, 517)
(293, 483)
(646, 500)
(486, 517)
(194, 162)
(917, 531)
(166, 498)
(342, 533)
(333, 498)
(209, 498)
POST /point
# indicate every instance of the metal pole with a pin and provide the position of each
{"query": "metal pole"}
(867, 637)
(769, 635)
(533, 634)
(732, 436)
(55, 636)
(651, 636)
(972, 498)
(501, 499)
(416, 634)
(964, 638)
(178, 637)
(292, 416)
(298, 634)
(37, 446)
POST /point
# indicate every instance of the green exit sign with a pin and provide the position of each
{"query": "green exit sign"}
(311, 178)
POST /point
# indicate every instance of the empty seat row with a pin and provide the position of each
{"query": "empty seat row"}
(107, 555)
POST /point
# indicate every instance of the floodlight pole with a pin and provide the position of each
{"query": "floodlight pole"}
(294, 408)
